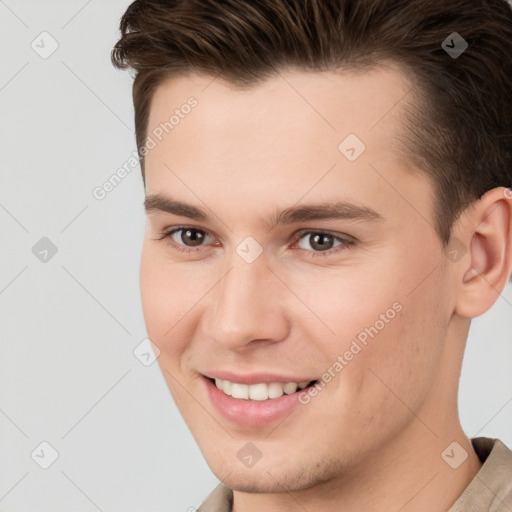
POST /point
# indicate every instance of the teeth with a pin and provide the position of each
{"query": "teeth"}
(258, 392)
(226, 387)
(275, 390)
(290, 388)
(239, 391)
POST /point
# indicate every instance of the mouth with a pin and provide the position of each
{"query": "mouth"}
(257, 402)
(259, 392)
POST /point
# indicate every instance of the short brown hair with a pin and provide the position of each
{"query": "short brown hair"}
(460, 129)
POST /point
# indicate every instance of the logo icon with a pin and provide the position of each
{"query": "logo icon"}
(455, 250)
(351, 147)
(44, 45)
(454, 455)
(249, 455)
(454, 45)
(249, 249)
(44, 455)
(44, 250)
(146, 352)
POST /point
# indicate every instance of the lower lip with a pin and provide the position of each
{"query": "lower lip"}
(251, 412)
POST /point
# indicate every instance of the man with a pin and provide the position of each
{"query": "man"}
(328, 206)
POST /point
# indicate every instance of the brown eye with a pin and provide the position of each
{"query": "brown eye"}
(189, 237)
(317, 241)
(321, 241)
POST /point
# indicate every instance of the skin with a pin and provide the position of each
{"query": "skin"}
(372, 439)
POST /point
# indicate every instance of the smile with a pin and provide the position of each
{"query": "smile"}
(254, 399)
(260, 391)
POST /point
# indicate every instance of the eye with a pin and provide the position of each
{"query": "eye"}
(190, 237)
(317, 243)
(185, 239)
(323, 244)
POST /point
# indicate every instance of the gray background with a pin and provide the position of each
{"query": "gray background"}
(69, 325)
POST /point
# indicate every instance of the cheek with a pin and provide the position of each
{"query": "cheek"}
(168, 296)
(380, 329)
(400, 365)
(346, 306)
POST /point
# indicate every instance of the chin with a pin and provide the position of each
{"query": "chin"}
(275, 478)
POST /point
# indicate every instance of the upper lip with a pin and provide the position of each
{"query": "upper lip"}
(254, 378)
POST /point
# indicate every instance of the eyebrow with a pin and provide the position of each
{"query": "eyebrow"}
(294, 214)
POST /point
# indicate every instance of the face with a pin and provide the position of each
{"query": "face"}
(281, 250)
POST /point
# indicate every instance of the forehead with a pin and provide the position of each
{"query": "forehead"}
(344, 90)
(284, 111)
(279, 138)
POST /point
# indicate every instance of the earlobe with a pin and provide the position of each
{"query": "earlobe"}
(488, 228)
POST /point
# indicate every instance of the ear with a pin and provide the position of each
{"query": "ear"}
(485, 229)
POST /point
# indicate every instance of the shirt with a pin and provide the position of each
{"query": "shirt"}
(489, 491)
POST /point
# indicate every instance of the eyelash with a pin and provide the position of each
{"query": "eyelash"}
(347, 243)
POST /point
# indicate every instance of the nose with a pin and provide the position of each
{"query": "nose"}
(248, 306)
